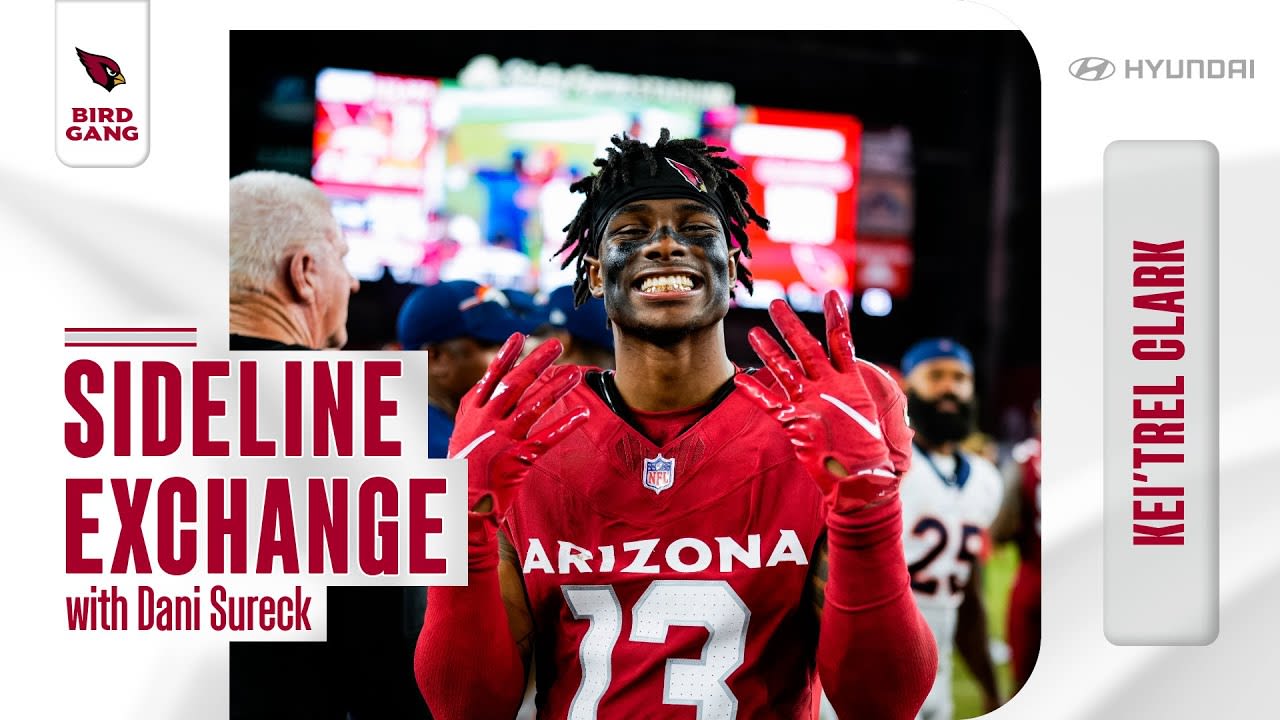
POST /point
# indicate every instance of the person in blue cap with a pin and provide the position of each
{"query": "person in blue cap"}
(583, 331)
(950, 498)
(461, 324)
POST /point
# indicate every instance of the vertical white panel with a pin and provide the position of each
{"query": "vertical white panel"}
(1161, 387)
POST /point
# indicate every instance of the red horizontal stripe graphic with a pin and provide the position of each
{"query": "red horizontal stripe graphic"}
(132, 329)
(130, 344)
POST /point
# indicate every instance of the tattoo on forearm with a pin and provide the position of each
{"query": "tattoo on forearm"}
(525, 643)
(507, 551)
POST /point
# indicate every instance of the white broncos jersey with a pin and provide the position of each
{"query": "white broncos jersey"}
(948, 505)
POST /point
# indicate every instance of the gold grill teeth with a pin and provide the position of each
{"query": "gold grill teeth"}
(665, 282)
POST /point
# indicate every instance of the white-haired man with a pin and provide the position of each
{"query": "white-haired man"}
(289, 288)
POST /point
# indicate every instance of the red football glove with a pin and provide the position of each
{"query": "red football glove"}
(491, 431)
(845, 417)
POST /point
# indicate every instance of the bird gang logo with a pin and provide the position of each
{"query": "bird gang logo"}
(659, 473)
(103, 124)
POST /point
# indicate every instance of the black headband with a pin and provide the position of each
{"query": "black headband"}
(673, 179)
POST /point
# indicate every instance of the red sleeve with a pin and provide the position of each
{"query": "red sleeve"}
(466, 663)
(876, 655)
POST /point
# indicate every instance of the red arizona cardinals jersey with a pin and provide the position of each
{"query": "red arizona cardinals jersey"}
(1028, 455)
(1024, 629)
(667, 579)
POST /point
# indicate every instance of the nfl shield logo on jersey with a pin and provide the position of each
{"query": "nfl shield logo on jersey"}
(659, 473)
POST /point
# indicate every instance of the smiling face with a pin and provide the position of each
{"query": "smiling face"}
(664, 269)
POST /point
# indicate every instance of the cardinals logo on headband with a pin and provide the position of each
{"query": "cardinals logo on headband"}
(689, 175)
(102, 70)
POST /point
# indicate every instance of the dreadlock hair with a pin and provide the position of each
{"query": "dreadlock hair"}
(615, 170)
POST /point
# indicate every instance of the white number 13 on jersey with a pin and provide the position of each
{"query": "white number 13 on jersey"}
(696, 603)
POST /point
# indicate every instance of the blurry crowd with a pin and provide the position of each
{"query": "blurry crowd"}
(461, 325)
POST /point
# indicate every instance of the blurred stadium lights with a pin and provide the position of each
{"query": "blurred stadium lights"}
(877, 302)
(792, 143)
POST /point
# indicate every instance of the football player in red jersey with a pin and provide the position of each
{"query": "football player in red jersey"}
(680, 538)
(1019, 522)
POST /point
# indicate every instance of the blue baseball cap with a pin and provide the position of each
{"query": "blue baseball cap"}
(589, 321)
(458, 308)
(526, 306)
(932, 349)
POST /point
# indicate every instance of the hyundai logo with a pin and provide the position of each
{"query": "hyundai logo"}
(1092, 68)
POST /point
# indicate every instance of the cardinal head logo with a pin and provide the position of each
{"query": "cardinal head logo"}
(102, 70)
(688, 174)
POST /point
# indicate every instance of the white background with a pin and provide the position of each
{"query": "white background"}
(148, 246)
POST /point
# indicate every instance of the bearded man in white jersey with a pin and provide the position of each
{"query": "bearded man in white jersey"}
(950, 497)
